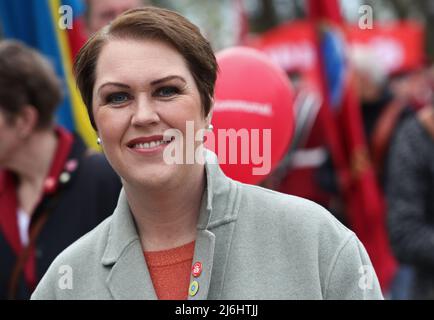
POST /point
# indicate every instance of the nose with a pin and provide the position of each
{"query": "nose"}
(144, 113)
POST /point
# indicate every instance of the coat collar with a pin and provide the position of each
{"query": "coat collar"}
(129, 277)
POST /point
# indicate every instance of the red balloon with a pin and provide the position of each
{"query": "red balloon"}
(253, 115)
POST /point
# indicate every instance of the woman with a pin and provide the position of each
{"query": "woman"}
(52, 190)
(185, 230)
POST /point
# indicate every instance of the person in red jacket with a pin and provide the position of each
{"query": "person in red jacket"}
(52, 189)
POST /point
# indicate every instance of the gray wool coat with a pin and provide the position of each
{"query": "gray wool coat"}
(253, 243)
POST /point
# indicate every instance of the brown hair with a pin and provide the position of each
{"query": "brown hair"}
(158, 24)
(27, 78)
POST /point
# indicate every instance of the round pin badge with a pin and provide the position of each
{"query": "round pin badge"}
(194, 288)
(71, 165)
(49, 184)
(196, 270)
(64, 177)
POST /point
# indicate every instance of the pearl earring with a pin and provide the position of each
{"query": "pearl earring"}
(98, 141)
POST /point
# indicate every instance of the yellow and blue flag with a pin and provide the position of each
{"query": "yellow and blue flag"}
(44, 25)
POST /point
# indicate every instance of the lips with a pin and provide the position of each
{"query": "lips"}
(149, 142)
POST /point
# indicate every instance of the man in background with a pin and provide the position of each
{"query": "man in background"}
(100, 13)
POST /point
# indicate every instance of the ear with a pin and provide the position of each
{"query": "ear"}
(26, 121)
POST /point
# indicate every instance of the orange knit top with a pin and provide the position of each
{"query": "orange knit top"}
(170, 271)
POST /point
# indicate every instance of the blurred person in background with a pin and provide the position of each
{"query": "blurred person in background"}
(52, 188)
(99, 13)
(381, 109)
(412, 87)
(410, 194)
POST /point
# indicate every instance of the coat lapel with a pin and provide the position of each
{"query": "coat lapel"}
(217, 209)
(203, 253)
(129, 277)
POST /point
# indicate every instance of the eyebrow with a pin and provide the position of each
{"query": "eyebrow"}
(116, 84)
(158, 81)
(153, 83)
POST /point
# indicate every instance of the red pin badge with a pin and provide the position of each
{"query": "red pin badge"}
(49, 185)
(197, 269)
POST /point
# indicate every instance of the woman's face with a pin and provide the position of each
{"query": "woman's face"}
(143, 88)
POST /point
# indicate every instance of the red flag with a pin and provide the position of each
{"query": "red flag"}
(343, 123)
(325, 10)
(76, 36)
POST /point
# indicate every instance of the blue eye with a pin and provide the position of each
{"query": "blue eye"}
(167, 92)
(118, 98)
